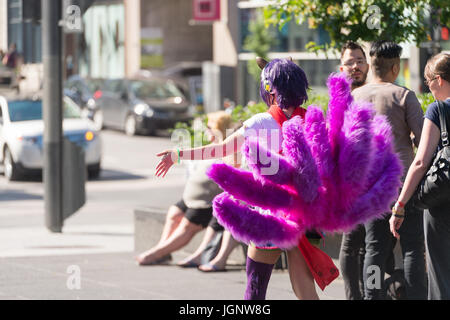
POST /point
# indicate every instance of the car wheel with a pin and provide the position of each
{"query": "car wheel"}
(130, 125)
(11, 171)
(98, 120)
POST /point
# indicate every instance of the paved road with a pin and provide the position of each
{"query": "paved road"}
(127, 181)
(99, 238)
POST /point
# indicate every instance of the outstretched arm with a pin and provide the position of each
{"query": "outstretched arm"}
(229, 146)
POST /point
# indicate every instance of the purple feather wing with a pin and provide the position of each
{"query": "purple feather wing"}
(316, 134)
(355, 153)
(267, 165)
(242, 185)
(247, 224)
(296, 150)
(339, 87)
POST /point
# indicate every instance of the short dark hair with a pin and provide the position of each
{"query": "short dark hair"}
(352, 45)
(384, 55)
(385, 49)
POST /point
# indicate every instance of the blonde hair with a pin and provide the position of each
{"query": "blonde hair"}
(222, 120)
(438, 65)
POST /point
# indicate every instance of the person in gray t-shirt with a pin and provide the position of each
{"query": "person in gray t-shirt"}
(403, 111)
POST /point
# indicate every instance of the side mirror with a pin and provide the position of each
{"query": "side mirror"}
(124, 95)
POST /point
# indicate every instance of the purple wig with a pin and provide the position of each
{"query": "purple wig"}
(287, 79)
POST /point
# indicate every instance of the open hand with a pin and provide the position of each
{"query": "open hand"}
(167, 160)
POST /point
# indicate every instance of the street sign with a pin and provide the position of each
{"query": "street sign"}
(206, 10)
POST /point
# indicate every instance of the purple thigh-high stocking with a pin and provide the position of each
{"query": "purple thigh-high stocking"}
(258, 276)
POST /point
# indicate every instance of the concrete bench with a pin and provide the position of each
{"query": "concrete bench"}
(148, 226)
(149, 222)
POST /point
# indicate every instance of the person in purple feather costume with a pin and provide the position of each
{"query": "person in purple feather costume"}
(334, 173)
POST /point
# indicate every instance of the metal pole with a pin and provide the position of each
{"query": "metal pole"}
(52, 113)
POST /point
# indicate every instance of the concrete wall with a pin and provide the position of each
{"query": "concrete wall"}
(182, 41)
(226, 35)
(3, 25)
(132, 36)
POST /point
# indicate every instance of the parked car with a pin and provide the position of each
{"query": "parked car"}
(81, 90)
(140, 105)
(21, 136)
(9, 80)
(7, 76)
(189, 77)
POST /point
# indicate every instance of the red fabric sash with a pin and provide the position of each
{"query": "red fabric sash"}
(279, 116)
(320, 264)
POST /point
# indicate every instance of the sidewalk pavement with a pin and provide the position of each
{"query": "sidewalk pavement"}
(97, 262)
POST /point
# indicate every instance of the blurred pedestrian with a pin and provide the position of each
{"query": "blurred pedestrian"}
(2, 55)
(220, 260)
(351, 255)
(211, 256)
(11, 58)
(194, 212)
(403, 111)
(437, 219)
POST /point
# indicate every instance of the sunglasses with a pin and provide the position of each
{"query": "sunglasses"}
(350, 64)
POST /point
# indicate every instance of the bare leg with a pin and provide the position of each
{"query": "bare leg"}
(178, 239)
(220, 261)
(301, 278)
(195, 257)
(173, 219)
(264, 256)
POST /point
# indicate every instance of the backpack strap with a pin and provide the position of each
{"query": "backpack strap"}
(443, 121)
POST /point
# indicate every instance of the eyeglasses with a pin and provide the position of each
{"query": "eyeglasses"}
(350, 64)
(428, 82)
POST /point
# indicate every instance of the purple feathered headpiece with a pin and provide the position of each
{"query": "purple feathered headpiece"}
(285, 78)
(336, 172)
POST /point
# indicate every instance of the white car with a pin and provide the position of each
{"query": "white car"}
(21, 136)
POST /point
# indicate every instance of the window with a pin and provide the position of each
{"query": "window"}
(25, 34)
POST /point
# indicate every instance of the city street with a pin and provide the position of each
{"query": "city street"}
(35, 264)
(328, 97)
(126, 182)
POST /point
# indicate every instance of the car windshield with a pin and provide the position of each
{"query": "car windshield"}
(94, 85)
(154, 90)
(27, 110)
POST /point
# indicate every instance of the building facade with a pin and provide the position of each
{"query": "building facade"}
(121, 37)
(169, 35)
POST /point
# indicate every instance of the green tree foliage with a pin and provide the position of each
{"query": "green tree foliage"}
(259, 41)
(425, 100)
(361, 20)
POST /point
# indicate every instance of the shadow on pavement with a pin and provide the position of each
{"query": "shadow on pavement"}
(103, 234)
(14, 195)
(105, 175)
(114, 175)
